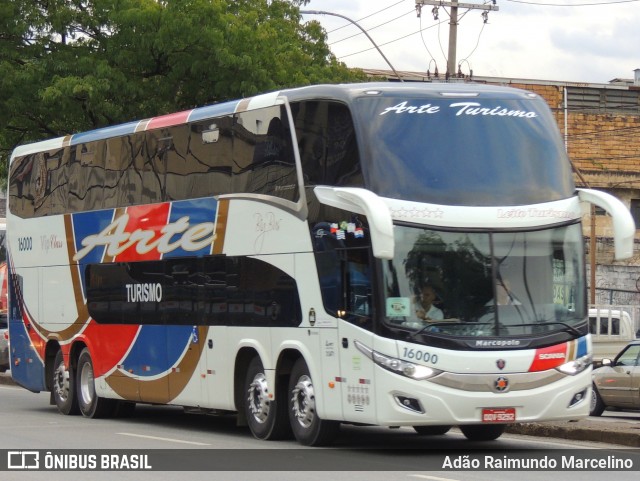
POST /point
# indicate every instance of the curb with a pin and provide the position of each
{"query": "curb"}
(624, 434)
(5, 378)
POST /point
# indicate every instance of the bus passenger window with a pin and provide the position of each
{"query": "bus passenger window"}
(152, 164)
(112, 166)
(272, 170)
(120, 178)
(86, 176)
(327, 144)
(20, 186)
(200, 166)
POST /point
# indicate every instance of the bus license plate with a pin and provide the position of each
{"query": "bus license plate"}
(503, 415)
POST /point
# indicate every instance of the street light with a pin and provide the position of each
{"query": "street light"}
(320, 12)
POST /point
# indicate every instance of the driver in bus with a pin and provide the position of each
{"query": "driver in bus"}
(425, 310)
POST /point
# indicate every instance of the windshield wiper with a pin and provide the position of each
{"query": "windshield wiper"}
(448, 324)
(567, 327)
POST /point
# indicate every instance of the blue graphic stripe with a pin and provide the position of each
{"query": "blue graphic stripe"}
(217, 110)
(582, 347)
(198, 211)
(86, 224)
(105, 133)
(157, 349)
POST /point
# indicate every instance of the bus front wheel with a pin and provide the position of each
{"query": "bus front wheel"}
(63, 386)
(307, 426)
(266, 416)
(90, 404)
(431, 430)
(483, 432)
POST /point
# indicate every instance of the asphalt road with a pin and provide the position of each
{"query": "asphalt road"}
(613, 427)
(179, 441)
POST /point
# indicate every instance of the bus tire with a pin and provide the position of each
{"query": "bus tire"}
(431, 430)
(63, 387)
(266, 416)
(483, 432)
(307, 426)
(597, 406)
(90, 404)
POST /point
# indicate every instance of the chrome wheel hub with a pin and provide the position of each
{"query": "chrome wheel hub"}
(259, 398)
(61, 382)
(303, 402)
(87, 387)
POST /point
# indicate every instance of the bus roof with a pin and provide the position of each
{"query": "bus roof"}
(340, 92)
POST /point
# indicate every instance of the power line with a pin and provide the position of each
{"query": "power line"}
(544, 4)
(393, 41)
(466, 59)
(424, 42)
(368, 16)
(373, 28)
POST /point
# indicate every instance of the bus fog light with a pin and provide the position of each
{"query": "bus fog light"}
(577, 398)
(409, 403)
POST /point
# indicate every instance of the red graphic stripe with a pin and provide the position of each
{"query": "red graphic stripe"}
(549, 358)
(146, 221)
(169, 120)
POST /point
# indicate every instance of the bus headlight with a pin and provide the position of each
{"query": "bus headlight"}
(398, 366)
(575, 367)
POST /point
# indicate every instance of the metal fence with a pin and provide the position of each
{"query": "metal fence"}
(611, 296)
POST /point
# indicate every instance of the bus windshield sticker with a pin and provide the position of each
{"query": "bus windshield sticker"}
(464, 108)
(398, 307)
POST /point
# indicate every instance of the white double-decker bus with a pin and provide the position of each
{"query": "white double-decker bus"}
(379, 254)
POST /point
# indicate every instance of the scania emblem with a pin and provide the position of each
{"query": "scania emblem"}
(501, 384)
(501, 363)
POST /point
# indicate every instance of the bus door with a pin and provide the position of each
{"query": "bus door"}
(343, 260)
(357, 372)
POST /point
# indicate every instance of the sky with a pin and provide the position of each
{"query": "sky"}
(583, 41)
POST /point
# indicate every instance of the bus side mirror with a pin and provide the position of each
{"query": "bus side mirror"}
(624, 228)
(363, 201)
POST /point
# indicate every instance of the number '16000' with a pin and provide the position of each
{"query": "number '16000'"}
(418, 355)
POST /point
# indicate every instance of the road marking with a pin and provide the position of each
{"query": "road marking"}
(432, 478)
(164, 439)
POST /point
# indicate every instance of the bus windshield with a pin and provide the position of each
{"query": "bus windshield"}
(459, 151)
(473, 284)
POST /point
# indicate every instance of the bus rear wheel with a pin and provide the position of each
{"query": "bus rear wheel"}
(307, 426)
(63, 386)
(90, 404)
(483, 432)
(266, 414)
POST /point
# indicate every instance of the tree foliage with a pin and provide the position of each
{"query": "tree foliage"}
(73, 65)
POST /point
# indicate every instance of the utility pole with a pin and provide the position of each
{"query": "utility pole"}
(454, 5)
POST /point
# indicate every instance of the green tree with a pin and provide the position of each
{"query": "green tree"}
(74, 65)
